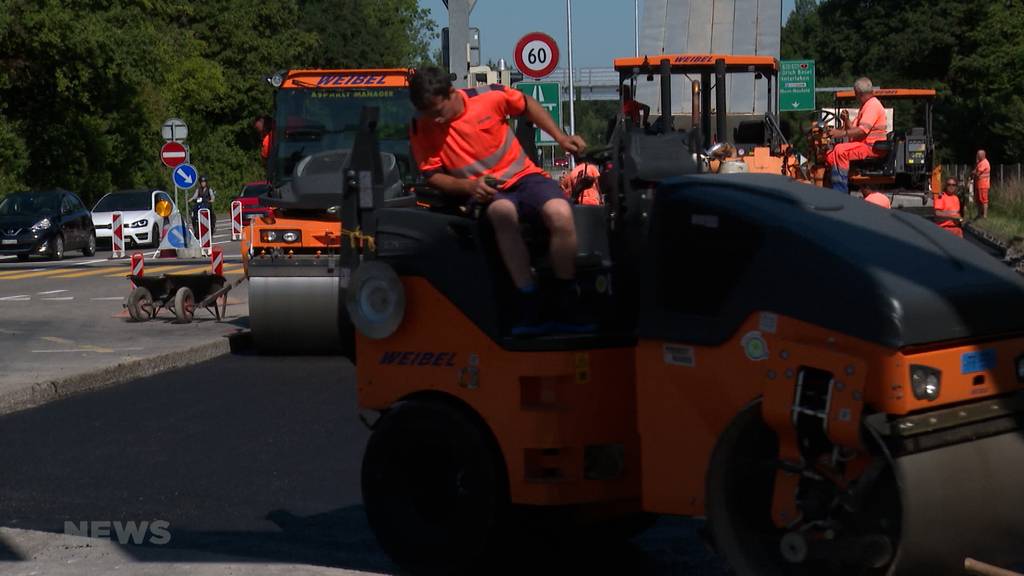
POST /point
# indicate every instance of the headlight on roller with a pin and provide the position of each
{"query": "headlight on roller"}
(925, 381)
(286, 236)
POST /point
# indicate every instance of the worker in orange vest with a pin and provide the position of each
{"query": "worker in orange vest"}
(581, 184)
(947, 205)
(264, 126)
(868, 127)
(636, 111)
(982, 179)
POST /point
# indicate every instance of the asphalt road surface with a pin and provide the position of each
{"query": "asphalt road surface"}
(249, 460)
(66, 317)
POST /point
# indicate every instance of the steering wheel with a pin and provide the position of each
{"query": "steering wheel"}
(594, 154)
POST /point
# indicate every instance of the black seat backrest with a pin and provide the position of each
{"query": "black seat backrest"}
(916, 132)
(750, 132)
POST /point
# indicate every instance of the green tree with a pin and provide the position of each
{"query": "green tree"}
(369, 33)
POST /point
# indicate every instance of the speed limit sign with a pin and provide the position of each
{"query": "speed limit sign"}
(536, 55)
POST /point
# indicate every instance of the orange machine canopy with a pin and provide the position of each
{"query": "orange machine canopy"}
(368, 78)
(897, 93)
(690, 63)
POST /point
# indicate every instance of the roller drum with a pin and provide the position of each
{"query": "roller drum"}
(301, 314)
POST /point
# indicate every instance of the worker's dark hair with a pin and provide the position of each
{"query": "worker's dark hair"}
(428, 83)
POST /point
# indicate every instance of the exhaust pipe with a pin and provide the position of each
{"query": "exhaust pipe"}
(695, 107)
(666, 96)
(720, 113)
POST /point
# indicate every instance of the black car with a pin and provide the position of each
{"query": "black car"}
(46, 223)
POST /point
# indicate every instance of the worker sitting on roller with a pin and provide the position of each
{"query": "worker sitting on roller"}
(464, 147)
(868, 127)
(636, 111)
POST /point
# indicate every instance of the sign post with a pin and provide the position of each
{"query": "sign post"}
(549, 95)
(796, 85)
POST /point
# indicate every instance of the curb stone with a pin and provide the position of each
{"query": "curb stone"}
(40, 393)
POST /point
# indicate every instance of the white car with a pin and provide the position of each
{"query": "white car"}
(140, 222)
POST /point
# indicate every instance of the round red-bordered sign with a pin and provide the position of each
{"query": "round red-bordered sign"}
(536, 55)
(173, 154)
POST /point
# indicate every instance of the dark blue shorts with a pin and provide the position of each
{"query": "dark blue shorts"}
(530, 193)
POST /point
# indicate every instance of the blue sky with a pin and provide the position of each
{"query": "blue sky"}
(599, 36)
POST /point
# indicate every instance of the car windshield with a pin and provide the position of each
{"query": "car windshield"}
(315, 120)
(28, 204)
(255, 190)
(124, 201)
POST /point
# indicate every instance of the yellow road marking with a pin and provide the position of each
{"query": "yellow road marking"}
(193, 269)
(37, 274)
(145, 271)
(81, 347)
(20, 271)
(91, 272)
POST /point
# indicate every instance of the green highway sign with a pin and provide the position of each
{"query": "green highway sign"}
(549, 94)
(796, 85)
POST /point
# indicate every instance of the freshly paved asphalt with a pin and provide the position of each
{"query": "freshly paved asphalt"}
(255, 459)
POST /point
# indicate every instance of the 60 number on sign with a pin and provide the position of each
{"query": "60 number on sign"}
(536, 55)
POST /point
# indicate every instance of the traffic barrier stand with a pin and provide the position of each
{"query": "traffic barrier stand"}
(217, 261)
(204, 231)
(138, 266)
(236, 220)
(117, 236)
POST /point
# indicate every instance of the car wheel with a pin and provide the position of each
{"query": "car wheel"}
(90, 245)
(23, 257)
(57, 247)
(154, 236)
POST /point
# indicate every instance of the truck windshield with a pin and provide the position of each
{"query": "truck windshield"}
(316, 120)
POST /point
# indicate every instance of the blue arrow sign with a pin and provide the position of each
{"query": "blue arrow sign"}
(185, 176)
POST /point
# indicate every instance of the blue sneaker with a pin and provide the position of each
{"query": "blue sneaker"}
(530, 318)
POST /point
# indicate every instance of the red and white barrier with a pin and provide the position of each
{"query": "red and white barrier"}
(205, 241)
(217, 261)
(117, 236)
(236, 220)
(138, 265)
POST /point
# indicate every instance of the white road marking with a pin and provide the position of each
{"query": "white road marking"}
(51, 292)
(224, 242)
(18, 298)
(7, 257)
(100, 350)
(221, 236)
(61, 298)
(109, 298)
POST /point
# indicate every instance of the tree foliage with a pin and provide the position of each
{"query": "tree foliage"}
(86, 84)
(968, 51)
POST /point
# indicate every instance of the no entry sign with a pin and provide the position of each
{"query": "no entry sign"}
(173, 154)
(536, 55)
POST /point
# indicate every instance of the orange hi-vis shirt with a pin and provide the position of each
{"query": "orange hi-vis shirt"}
(984, 174)
(871, 119)
(477, 143)
(947, 203)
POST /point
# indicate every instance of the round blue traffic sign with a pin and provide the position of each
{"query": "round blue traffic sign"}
(185, 176)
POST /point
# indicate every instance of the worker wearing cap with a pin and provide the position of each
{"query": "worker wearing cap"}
(947, 205)
(637, 112)
(581, 184)
(464, 146)
(868, 127)
(982, 179)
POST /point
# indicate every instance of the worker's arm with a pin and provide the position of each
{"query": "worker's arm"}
(462, 187)
(855, 133)
(539, 116)
(645, 112)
